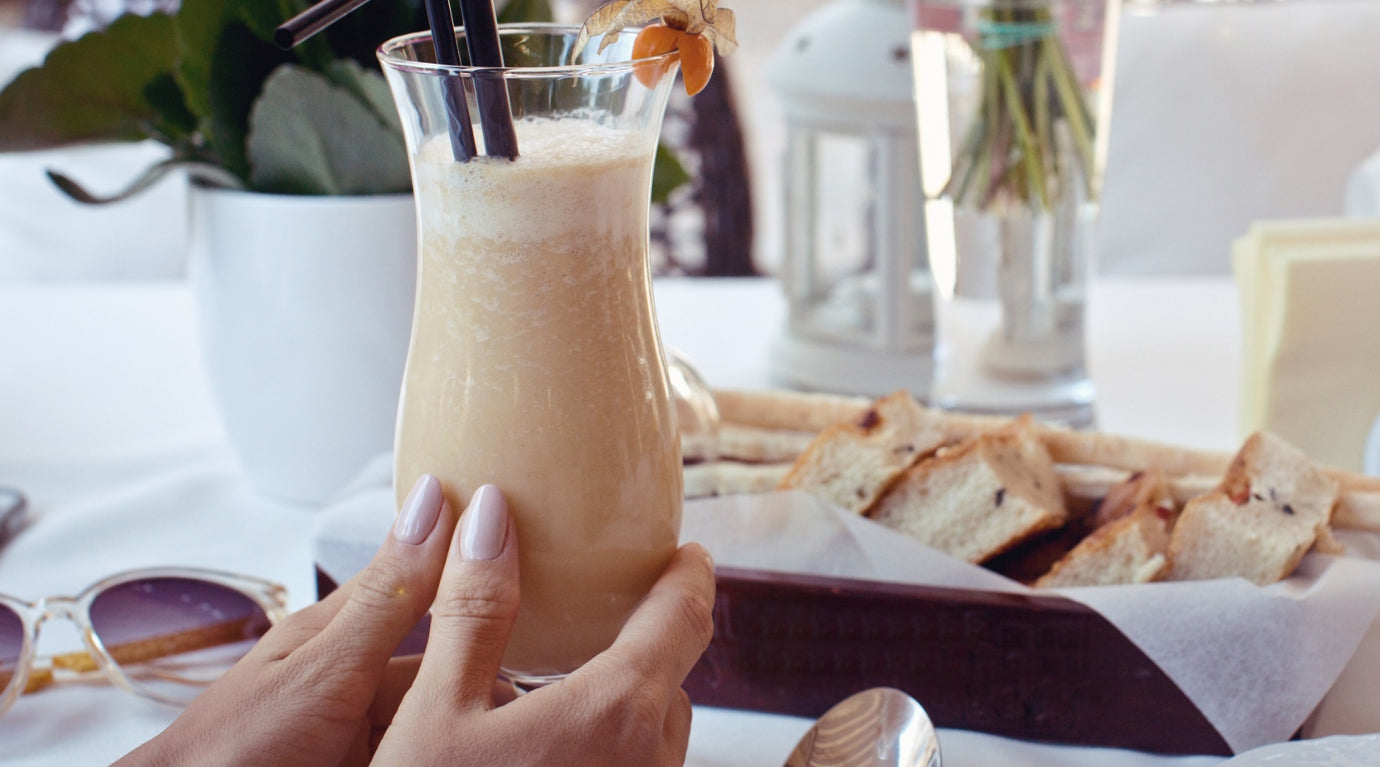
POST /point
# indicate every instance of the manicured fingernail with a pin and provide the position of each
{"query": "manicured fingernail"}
(484, 525)
(419, 512)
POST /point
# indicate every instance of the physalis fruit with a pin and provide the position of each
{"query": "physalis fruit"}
(695, 28)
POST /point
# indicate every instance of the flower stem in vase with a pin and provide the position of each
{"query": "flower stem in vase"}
(1025, 167)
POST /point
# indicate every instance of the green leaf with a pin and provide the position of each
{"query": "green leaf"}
(668, 174)
(526, 10)
(107, 86)
(164, 95)
(222, 67)
(242, 65)
(369, 87)
(311, 136)
(200, 26)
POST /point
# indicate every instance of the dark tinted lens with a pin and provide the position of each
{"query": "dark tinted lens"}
(11, 644)
(174, 636)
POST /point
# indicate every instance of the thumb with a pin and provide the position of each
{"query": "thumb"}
(475, 606)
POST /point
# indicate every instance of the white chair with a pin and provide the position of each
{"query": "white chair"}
(1229, 113)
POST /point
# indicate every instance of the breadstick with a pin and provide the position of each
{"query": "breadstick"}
(961, 426)
(1132, 454)
(727, 478)
(1350, 480)
(1355, 510)
(798, 411)
(756, 444)
(804, 412)
(1091, 483)
(794, 411)
(1097, 449)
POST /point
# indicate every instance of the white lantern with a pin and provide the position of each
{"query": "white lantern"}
(854, 267)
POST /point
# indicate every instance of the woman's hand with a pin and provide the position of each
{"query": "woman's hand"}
(305, 693)
(623, 707)
(321, 688)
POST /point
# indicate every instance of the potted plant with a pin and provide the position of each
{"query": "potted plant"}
(303, 238)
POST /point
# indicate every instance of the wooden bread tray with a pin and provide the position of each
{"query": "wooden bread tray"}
(1032, 667)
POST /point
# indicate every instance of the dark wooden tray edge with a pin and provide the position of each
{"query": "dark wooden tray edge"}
(1033, 667)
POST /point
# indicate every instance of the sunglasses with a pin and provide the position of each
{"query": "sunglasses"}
(165, 633)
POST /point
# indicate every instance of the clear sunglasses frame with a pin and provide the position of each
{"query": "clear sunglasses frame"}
(267, 595)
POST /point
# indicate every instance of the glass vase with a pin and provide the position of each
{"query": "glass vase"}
(1012, 103)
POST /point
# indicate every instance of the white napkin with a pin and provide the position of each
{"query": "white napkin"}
(1255, 661)
(1310, 353)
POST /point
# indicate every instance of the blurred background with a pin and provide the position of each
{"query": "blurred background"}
(1225, 113)
(739, 107)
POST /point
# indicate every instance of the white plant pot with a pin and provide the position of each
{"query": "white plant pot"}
(305, 305)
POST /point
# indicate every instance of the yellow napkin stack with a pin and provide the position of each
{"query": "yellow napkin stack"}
(1310, 302)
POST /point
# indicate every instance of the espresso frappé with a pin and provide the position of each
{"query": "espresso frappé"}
(535, 365)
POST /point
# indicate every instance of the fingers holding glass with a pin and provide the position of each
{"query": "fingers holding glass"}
(475, 606)
(384, 601)
(669, 631)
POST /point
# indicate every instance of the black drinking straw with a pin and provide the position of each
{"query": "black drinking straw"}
(491, 92)
(496, 116)
(447, 54)
(299, 28)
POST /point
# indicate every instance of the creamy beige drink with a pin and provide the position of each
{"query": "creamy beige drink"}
(535, 365)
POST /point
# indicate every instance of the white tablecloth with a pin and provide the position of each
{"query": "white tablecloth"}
(107, 424)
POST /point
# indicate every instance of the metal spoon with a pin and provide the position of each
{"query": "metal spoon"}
(876, 727)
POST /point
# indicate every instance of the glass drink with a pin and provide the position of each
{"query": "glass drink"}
(535, 362)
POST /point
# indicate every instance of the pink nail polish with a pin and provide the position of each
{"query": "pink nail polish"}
(484, 525)
(419, 512)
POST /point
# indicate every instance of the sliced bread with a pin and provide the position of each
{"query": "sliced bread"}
(854, 462)
(979, 498)
(1139, 489)
(1131, 541)
(1271, 507)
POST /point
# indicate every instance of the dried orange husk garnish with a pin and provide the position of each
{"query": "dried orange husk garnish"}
(696, 28)
(696, 56)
